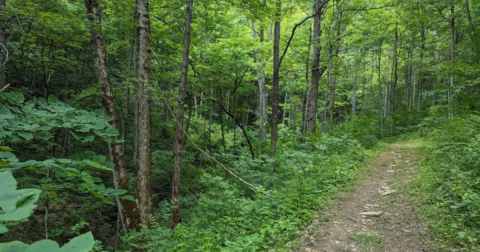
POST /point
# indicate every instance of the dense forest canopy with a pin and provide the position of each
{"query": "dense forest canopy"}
(231, 122)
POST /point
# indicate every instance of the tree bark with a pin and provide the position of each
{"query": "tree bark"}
(178, 143)
(127, 209)
(276, 78)
(395, 69)
(317, 72)
(143, 162)
(452, 56)
(262, 89)
(307, 82)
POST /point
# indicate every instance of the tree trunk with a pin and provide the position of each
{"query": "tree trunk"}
(452, 56)
(354, 94)
(472, 28)
(276, 77)
(307, 80)
(262, 89)
(317, 72)
(127, 209)
(143, 162)
(395, 74)
(420, 70)
(3, 45)
(177, 160)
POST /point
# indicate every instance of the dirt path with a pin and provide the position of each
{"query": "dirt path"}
(375, 216)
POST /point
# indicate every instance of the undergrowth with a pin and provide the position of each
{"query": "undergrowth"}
(227, 216)
(449, 184)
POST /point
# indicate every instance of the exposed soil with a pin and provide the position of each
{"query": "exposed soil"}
(375, 215)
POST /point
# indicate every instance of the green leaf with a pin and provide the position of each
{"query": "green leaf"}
(98, 166)
(5, 148)
(4, 164)
(43, 246)
(25, 135)
(128, 197)
(82, 243)
(16, 204)
(3, 229)
(14, 246)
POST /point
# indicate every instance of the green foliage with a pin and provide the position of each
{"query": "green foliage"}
(451, 183)
(81, 243)
(39, 120)
(227, 216)
(17, 205)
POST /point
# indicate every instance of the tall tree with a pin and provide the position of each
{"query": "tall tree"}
(317, 72)
(178, 144)
(262, 89)
(127, 209)
(143, 164)
(276, 77)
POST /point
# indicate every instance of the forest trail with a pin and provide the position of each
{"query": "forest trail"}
(375, 215)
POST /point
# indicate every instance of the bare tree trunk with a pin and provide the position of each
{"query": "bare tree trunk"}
(276, 77)
(127, 209)
(452, 57)
(395, 74)
(380, 117)
(473, 29)
(420, 70)
(177, 161)
(317, 72)
(262, 89)
(307, 80)
(143, 161)
(3, 45)
(354, 94)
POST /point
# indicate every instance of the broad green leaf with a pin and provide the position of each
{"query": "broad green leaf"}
(14, 246)
(43, 246)
(5, 148)
(128, 197)
(3, 229)
(98, 166)
(4, 164)
(25, 135)
(82, 243)
(16, 204)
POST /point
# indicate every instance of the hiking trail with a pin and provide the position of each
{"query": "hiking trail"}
(376, 214)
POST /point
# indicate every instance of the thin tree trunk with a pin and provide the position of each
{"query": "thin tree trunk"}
(276, 77)
(262, 89)
(452, 56)
(127, 209)
(317, 72)
(143, 162)
(177, 161)
(473, 29)
(354, 94)
(307, 82)
(420, 69)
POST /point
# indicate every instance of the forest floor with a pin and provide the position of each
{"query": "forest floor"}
(376, 214)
